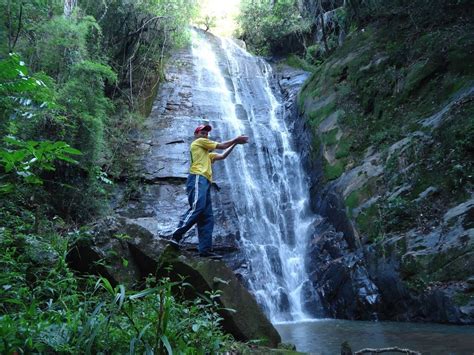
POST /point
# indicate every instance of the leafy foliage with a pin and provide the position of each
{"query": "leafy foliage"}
(62, 43)
(24, 161)
(21, 94)
(93, 73)
(28, 159)
(207, 22)
(45, 308)
(423, 11)
(82, 84)
(83, 99)
(136, 36)
(265, 24)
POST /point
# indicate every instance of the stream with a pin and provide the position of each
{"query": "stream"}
(324, 336)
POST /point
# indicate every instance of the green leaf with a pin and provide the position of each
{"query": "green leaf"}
(70, 150)
(219, 280)
(142, 332)
(144, 293)
(34, 180)
(67, 159)
(120, 297)
(7, 188)
(231, 310)
(167, 344)
(106, 284)
(13, 301)
(12, 140)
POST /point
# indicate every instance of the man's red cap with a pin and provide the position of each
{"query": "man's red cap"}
(203, 127)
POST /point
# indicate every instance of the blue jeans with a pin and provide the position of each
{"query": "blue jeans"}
(200, 211)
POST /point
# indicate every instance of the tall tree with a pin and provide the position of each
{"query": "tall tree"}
(69, 6)
(13, 30)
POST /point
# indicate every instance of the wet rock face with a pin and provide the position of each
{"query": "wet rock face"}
(419, 275)
(404, 206)
(190, 97)
(427, 277)
(340, 277)
(156, 198)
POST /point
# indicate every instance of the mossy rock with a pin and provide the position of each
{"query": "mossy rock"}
(330, 137)
(318, 115)
(343, 147)
(353, 200)
(455, 264)
(39, 252)
(299, 63)
(460, 55)
(420, 72)
(332, 172)
(369, 224)
(242, 316)
(417, 283)
(316, 145)
(451, 265)
(359, 196)
(410, 265)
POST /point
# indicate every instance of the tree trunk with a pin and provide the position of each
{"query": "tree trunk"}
(69, 6)
(12, 36)
(323, 30)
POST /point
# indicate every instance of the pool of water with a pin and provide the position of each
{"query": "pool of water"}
(324, 336)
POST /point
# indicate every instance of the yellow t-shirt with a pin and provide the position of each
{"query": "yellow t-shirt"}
(201, 158)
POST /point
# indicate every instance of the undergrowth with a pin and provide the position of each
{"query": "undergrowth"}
(46, 308)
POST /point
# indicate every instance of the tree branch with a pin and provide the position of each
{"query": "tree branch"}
(105, 11)
(146, 23)
(385, 350)
(12, 37)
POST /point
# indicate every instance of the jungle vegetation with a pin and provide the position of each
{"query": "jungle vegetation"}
(76, 81)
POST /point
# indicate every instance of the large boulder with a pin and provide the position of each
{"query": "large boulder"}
(340, 277)
(109, 249)
(125, 253)
(246, 321)
(428, 277)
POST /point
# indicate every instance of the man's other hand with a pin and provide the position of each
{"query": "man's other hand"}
(242, 139)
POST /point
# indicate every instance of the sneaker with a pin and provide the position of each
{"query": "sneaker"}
(171, 241)
(210, 255)
(176, 238)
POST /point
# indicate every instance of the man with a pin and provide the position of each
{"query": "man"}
(198, 187)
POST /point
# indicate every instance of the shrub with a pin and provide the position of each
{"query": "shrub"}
(265, 24)
(45, 308)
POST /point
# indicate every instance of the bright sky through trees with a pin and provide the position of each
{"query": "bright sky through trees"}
(225, 13)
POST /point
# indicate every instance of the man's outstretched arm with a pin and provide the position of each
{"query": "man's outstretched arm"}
(236, 140)
(225, 154)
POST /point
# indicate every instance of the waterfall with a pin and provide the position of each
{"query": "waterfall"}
(269, 187)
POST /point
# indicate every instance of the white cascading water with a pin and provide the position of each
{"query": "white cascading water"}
(269, 187)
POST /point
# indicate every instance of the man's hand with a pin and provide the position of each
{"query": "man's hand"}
(237, 140)
(242, 139)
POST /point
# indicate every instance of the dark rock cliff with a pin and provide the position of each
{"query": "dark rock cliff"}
(385, 132)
